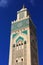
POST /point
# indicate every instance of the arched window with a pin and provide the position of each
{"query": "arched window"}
(13, 45)
(22, 59)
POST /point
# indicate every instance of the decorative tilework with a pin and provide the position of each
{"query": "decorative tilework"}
(14, 35)
(21, 15)
(20, 25)
(25, 32)
(19, 38)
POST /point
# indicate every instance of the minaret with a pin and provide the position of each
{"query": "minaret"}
(23, 41)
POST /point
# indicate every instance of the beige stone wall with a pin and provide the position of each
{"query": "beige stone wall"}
(28, 48)
(25, 52)
(33, 43)
(20, 53)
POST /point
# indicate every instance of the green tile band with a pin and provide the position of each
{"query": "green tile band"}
(25, 32)
(14, 35)
(19, 38)
(20, 25)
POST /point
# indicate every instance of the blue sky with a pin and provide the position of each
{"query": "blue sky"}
(8, 12)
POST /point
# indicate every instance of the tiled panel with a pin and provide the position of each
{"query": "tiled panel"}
(20, 25)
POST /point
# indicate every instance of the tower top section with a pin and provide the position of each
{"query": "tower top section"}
(22, 13)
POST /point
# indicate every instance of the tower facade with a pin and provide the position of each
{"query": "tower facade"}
(23, 42)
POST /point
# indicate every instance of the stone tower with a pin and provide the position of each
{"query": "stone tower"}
(23, 42)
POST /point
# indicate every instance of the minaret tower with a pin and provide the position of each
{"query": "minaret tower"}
(23, 42)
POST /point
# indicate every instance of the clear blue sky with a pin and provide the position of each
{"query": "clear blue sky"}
(8, 12)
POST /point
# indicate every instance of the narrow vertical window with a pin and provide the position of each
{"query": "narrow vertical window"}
(17, 47)
(24, 42)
